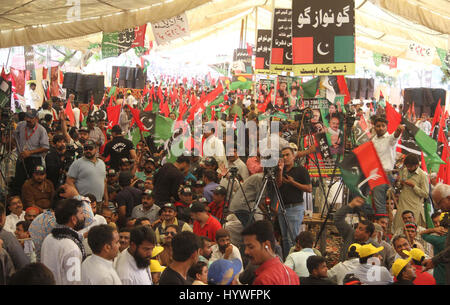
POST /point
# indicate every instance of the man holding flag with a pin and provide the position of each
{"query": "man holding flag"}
(385, 145)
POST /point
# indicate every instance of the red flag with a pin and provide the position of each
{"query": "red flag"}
(422, 161)
(136, 118)
(444, 171)
(61, 77)
(441, 134)
(262, 107)
(117, 77)
(413, 111)
(393, 117)
(249, 50)
(91, 105)
(149, 106)
(437, 115)
(44, 73)
(113, 115)
(343, 88)
(370, 164)
(69, 113)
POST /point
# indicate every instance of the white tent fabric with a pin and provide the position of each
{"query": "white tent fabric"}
(383, 26)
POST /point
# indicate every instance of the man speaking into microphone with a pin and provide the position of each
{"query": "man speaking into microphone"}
(292, 181)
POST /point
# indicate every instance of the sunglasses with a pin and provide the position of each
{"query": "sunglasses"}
(89, 147)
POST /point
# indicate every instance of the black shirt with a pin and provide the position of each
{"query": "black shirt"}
(171, 277)
(289, 193)
(54, 165)
(167, 182)
(118, 148)
(129, 197)
(315, 281)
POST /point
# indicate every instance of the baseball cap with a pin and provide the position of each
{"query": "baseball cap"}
(155, 266)
(210, 161)
(124, 160)
(168, 206)
(150, 160)
(411, 225)
(147, 193)
(202, 200)
(89, 143)
(220, 190)
(199, 183)
(185, 191)
(128, 91)
(416, 254)
(116, 129)
(223, 271)
(83, 129)
(198, 207)
(368, 250)
(32, 113)
(90, 119)
(157, 250)
(357, 246)
(399, 264)
(39, 169)
(112, 172)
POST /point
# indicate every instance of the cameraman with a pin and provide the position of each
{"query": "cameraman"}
(55, 160)
(292, 181)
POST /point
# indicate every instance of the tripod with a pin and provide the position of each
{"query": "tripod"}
(229, 193)
(6, 158)
(269, 179)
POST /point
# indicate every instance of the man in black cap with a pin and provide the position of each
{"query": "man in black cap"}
(126, 165)
(54, 160)
(112, 177)
(147, 208)
(128, 197)
(149, 167)
(32, 146)
(169, 217)
(95, 133)
(198, 188)
(217, 206)
(118, 148)
(183, 211)
(84, 134)
(204, 223)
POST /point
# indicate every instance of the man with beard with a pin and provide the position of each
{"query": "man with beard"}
(224, 249)
(414, 190)
(95, 133)
(63, 251)
(133, 264)
(185, 248)
(38, 191)
(55, 160)
(88, 174)
(83, 133)
(32, 145)
(118, 148)
(205, 249)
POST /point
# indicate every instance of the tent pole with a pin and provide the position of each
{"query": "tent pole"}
(242, 34)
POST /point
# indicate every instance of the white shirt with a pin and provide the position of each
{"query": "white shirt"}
(43, 112)
(373, 275)
(425, 126)
(297, 261)
(129, 273)
(63, 258)
(11, 221)
(98, 220)
(385, 147)
(216, 254)
(96, 270)
(339, 271)
(76, 113)
(32, 99)
(265, 145)
(213, 147)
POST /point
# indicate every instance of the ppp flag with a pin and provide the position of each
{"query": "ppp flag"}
(362, 170)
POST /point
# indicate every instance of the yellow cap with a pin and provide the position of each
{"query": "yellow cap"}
(399, 264)
(442, 216)
(357, 246)
(155, 266)
(368, 250)
(129, 91)
(157, 250)
(416, 254)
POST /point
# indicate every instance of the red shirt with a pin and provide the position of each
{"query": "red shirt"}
(423, 278)
(274, 272)
(209, 229)
(217, 209)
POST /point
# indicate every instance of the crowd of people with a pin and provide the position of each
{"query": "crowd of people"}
(84, 205)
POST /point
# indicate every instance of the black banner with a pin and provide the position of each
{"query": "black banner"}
(323, 37)
(242, 62)
(281, 56)
(263, 47)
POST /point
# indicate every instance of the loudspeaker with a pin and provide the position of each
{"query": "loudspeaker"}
(70, 80)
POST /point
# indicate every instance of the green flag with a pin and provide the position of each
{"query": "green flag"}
(241, 85)
(163, 128)
(135, 136)
(310, 88)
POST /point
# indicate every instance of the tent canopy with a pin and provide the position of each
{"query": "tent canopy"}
(384, 26)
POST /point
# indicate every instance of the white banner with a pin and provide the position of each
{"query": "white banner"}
(170, 29)
(421, 53)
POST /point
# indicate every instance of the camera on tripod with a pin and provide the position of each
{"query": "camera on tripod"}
(350, 117)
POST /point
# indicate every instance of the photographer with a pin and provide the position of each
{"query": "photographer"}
(55, 160)
(292, 181)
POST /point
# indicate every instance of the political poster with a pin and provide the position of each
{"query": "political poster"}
(116, 43)
(263, 48)
(169, 29)
(281, 55)
(323, 37)
(242, 65)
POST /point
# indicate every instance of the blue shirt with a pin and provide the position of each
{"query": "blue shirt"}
(208, 191)
(89, 177)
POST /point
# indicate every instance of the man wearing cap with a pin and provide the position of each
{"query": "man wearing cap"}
(147, 208)
(118, 148)
(168, 215)
(38, 190)
(32, 146)
(84, 134)
(218, 205)
(410, 231)
(125, 165)
(183, 211)
(95, 133)
(404, 272)
(55, 160)
(340, 270)
(131, 100)
(149, 168)
(112, 178)
(369, 270)
(88, 174)
(204, 223)
(417, 257)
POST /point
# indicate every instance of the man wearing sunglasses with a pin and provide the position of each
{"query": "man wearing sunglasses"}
(88, 174)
